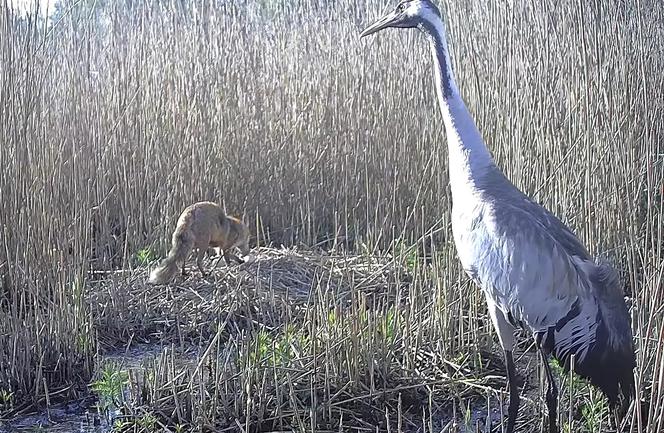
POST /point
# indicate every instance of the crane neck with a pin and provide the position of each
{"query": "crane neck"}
(469, 158)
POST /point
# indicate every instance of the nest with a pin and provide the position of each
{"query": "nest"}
(274, 284)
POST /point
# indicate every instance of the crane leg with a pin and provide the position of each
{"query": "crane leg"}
(505, 331)
(551, 395)
(513, 408)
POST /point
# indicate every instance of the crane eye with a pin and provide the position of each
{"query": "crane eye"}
(401, 7)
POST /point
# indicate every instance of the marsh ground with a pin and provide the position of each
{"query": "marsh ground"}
(295, 340)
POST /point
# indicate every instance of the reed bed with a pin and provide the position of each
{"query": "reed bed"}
(298, 340)
(277, 283)
(115, 116)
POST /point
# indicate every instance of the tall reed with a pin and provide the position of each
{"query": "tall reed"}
(115, 116)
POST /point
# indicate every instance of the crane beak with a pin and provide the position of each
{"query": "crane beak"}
(388, 20)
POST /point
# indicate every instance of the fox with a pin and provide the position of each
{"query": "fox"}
(202, 225)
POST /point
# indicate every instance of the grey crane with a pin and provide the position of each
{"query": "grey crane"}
(533, 270)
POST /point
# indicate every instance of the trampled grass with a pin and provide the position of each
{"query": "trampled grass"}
(115, 116)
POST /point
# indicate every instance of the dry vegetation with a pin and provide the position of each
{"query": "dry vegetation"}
(116, 115)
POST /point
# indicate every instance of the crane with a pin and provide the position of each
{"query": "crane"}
(535, 273)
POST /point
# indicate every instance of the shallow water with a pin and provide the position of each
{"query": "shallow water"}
(77, 416)
(59, 420)
(82, 416)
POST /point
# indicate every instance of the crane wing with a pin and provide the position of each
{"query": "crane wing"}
(526, 261)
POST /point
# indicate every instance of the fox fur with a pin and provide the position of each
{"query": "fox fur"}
(200, 226)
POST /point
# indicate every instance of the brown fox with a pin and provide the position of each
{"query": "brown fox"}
(202, 225)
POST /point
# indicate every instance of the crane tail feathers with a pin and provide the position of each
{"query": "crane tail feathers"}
(606, 359)
(607, 366)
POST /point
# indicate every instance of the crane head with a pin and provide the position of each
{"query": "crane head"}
(407, 14)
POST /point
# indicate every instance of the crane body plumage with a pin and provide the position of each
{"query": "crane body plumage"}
(533, 270)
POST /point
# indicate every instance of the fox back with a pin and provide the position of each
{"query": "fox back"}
(200, 221)
(201, 225)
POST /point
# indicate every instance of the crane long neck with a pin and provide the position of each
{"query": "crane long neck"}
(469, 159)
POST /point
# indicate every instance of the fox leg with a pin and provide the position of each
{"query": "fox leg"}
(202, 245)
(199, 261)
(244, 248)
(184, 271)
(227, 257)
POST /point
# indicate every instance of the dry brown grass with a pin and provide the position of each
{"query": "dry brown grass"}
(111, 124)
(294, 339)
(277, 284)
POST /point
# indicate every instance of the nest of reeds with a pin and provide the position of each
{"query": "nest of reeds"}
(275, 283)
